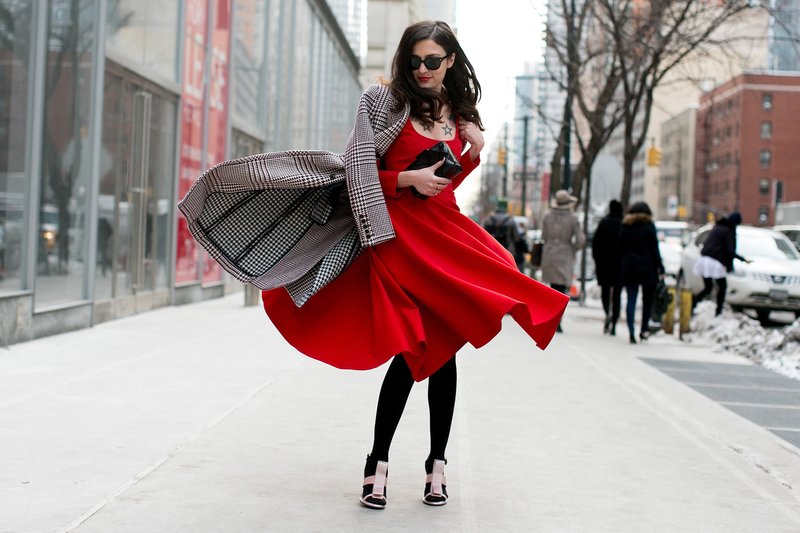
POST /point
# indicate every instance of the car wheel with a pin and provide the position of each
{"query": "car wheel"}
(763, 316)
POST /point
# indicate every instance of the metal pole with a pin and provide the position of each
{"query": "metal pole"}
(586, 203)
(678, 180)
(505, 161)
(567, 173)
(524, 194)
(567, 142)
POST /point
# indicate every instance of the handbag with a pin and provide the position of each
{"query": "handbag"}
(449, 169)
(536, 253)
(661, 300)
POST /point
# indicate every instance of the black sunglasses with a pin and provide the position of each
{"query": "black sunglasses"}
(431, 63)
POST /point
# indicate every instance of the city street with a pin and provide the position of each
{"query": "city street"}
(201, 418)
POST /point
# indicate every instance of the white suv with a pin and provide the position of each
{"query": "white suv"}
(771, 282)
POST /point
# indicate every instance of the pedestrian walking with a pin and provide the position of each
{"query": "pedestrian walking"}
(641, 265)
(505, 231)
(608, 263)
(562, 237)
(425, 280)
(716, 259)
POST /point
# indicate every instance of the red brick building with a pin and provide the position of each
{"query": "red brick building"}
(748, 148)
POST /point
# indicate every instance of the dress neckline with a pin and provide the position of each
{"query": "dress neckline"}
(410, 124)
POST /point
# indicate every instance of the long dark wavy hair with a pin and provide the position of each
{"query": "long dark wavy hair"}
(461, 88)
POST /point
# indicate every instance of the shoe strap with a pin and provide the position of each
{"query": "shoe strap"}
(436, 478)
(378, 481)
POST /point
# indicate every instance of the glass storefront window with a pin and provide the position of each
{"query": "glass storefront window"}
(16, 40)
(144, 31)
(66, 153)
(244, 145)
(139, 126)
(248, 63)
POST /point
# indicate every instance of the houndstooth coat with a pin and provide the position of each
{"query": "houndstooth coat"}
(297, 219)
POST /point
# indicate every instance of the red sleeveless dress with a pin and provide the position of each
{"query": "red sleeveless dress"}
(442, 282)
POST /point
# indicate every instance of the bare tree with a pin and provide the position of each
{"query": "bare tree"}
(612, 55)
(588, 72)
(649, 40)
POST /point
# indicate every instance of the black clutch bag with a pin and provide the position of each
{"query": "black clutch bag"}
(426, 158)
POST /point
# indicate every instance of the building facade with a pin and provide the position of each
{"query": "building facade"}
(683, 86)
(676, 184)
(747, 153)
(110, 109)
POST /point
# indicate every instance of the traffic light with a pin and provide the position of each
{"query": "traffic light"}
(653, 157)
(501, 156)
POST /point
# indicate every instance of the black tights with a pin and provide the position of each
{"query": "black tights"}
(708, 285)
(392, 400)
(610, 295)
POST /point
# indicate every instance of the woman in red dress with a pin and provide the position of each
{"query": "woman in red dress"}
(442, 282)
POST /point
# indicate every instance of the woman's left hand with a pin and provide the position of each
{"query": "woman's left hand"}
(472, 134)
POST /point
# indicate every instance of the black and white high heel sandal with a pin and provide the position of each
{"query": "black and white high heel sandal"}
(436, 484)
(373, 494)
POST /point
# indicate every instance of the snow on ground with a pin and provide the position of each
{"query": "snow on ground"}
(777, 349)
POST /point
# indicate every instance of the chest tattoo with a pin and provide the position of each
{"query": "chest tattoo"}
(447, 125)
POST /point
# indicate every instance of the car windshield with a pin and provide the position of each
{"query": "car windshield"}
(767, 247)
(792, 234)
(674, 233)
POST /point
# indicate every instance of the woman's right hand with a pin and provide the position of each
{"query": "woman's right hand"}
(424, 180)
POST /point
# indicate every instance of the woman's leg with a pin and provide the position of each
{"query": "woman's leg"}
(616, 304)
(563, 290)
(630, 308)
(391, 402)
(648, 295)
(708, 285)
(722, 287)
(559, 288)
(605, 297)
(441, 403)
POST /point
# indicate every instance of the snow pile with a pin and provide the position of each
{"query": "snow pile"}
(777, 349)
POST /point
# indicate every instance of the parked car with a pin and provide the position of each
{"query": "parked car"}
(673, 231)
(770, 282)
(671, 258)
(792, 231)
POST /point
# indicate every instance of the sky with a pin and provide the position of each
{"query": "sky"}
(498, 37)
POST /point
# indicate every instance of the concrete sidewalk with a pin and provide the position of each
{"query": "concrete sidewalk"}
(201, 419)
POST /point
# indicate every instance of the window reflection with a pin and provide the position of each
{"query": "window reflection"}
(16, 38)
(248, 63)
(67, 153)
(144, 31)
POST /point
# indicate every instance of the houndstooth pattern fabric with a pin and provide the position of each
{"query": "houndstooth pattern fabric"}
(376, 127)
(326, 270)
(284, 219)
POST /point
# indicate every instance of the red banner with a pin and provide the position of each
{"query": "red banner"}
(191, 157)
(219, 81)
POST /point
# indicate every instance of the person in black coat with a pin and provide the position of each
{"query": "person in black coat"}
(716, 259)
(641, 264)
(607, 263)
